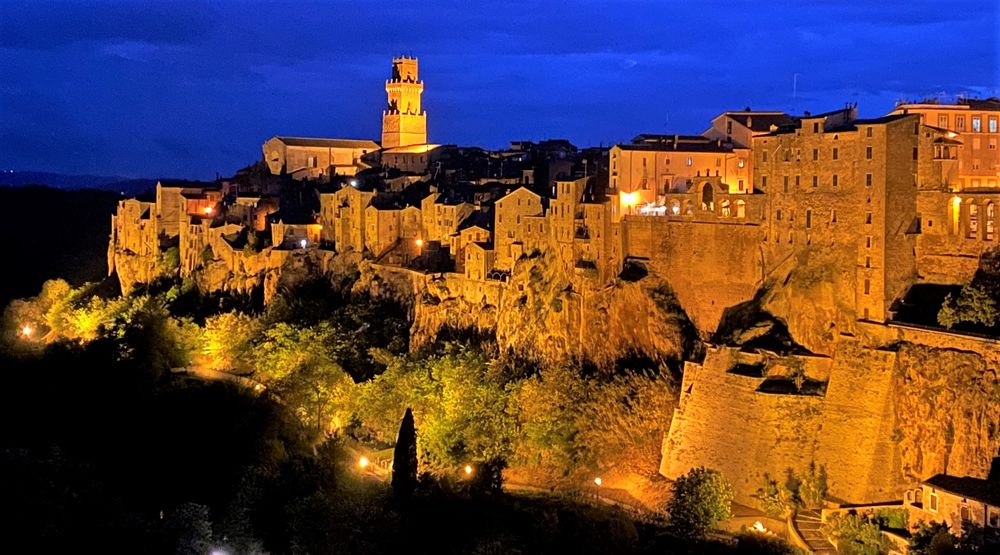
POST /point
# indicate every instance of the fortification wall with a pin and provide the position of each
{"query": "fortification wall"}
(724, 422)
(710, 266)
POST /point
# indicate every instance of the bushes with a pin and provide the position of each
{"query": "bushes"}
(856, 535)
(702, 498)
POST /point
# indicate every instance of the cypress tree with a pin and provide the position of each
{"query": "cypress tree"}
(404, 458)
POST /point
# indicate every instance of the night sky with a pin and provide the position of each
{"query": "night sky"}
(186, 89)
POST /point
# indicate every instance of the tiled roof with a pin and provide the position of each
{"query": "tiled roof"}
(968, 487)
(762, 121)
(328, 143)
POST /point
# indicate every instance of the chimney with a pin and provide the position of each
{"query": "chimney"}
(676, 138)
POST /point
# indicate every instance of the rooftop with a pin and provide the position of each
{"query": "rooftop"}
(328, 143)
(967, 487)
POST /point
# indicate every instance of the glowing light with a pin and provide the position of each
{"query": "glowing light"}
(303, 243)
(419, 242)
(598, 481)
(468, 470)
(208, 210)
(363, 462)
(27, 330)
(630, 199)
(759, 527)
(353, 182)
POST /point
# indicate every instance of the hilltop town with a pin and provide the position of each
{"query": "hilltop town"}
(795, 265)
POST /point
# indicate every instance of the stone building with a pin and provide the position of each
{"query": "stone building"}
(310, 158)
(739, 128)
(850, 190)
(959, 502)
(512, 214)
(975, 130)
(643, 172)
(404, 122)
(176, 200)
(342, 215)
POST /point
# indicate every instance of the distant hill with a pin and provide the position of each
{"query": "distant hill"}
(54, 233)
(122, 185)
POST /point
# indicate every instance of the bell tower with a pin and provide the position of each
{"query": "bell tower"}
(403, 122)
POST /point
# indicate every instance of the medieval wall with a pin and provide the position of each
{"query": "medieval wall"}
(710, 266)
(724, 422)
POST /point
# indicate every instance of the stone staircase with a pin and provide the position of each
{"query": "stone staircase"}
(808, 523)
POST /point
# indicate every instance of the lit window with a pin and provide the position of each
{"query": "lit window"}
(993, 124)
(690, 161)
(977, 124)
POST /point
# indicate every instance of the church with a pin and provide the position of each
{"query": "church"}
(404, 137)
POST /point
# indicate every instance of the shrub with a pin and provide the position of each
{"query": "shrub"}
(702, 498)
(892, 519)
(753, 543)
(855, 535)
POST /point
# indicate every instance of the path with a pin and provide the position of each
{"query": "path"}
(808, 523)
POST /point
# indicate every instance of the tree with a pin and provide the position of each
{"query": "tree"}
(974, 305)
(404, 458)
(855, 535)
(702, 498)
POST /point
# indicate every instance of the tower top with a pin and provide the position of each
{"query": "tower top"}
(404, 69)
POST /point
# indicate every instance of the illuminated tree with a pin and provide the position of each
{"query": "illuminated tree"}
(702, 498)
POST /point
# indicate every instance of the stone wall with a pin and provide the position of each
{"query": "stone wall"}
(710, 266)
(724, 422)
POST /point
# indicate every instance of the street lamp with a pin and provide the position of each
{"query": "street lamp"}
(303, 243)
(598, 481)
(363, 462)
(27, 330)
(468, 470)
(419, 243)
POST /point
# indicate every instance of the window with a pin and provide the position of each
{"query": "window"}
(868, 153)
(729, 127)
(993, 124)
(868, 262)
(763, 156)
(809, 219)
(994, 521)
(777, 215)
(868, 132)
(836, 181)
(741, 163)
(741, 185)
(868, 180)
(833, 216)
(868, 242)
(973, 221)
(990, 213)
(959, 123)
(786, 183)
(977, 124)
(965, 514)
(816, 127)
(943, 121)
(836, 154)
(690, 161)
(815, 181)
(868, 218)
(763, 182)
(815, 154)
(798, 181)
(868, 287)
(915, 151)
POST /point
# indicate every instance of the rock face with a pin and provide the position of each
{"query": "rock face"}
(544, 312)
(947, 411)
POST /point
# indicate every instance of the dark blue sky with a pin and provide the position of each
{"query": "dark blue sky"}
(188, 89)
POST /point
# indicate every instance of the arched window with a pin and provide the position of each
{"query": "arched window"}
(973, 227)
(707, 197)
(725, 208)
(741, 209)
(990, 217)
(675, 207)
(688, 208)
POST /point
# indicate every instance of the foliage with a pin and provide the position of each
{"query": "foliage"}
(892, 519)
(547, 409)
(702, 498)
(170, 260)
(226, 340)
(855, 535)
(404, 458)
(754, 543)
(935, 538)
(813, 487)
(974, 305)
(773, 499)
